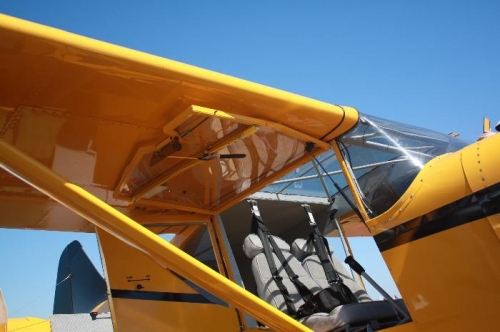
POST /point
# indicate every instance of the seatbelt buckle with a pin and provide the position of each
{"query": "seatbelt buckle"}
(308, 210)
(255, 208)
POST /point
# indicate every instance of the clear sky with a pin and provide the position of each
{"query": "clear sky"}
(433, 64)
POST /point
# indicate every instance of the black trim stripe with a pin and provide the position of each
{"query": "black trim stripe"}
(338, 125)
(473, 207)
(158, 296)
(208, 296)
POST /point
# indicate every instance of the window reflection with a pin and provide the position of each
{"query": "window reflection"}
(384, 158)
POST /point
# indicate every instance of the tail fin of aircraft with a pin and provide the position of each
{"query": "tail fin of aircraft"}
(486, 125)
(79, 286)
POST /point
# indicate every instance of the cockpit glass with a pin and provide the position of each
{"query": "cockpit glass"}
(304, 180)
(385, 156)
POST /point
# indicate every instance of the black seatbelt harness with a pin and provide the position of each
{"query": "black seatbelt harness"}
(268, 243)
(323, 251)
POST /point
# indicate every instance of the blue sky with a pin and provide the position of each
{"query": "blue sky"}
(433, 64)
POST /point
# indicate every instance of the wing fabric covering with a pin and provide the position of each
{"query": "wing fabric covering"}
(96, 113)
(79, 287)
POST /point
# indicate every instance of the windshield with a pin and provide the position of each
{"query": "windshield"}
(385, 156)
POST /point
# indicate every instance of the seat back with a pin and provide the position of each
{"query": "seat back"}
(347, 317)
(312, 265)
(267, 288)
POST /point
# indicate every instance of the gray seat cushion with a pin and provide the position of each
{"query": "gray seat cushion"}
(252, 245)
(351, 314)
(312, 265)
(267, 289)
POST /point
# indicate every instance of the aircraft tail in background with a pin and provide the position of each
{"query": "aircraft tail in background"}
(79, 286)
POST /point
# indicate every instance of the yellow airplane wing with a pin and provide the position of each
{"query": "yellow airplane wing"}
(154, 139)
(141, 132)
(28, 324)
(25, 324)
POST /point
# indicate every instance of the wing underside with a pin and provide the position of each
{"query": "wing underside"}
(142, 133)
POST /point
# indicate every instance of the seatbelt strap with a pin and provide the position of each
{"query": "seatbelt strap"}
(323, 252)
(257, 224)
(269, 242)
(322, 249)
